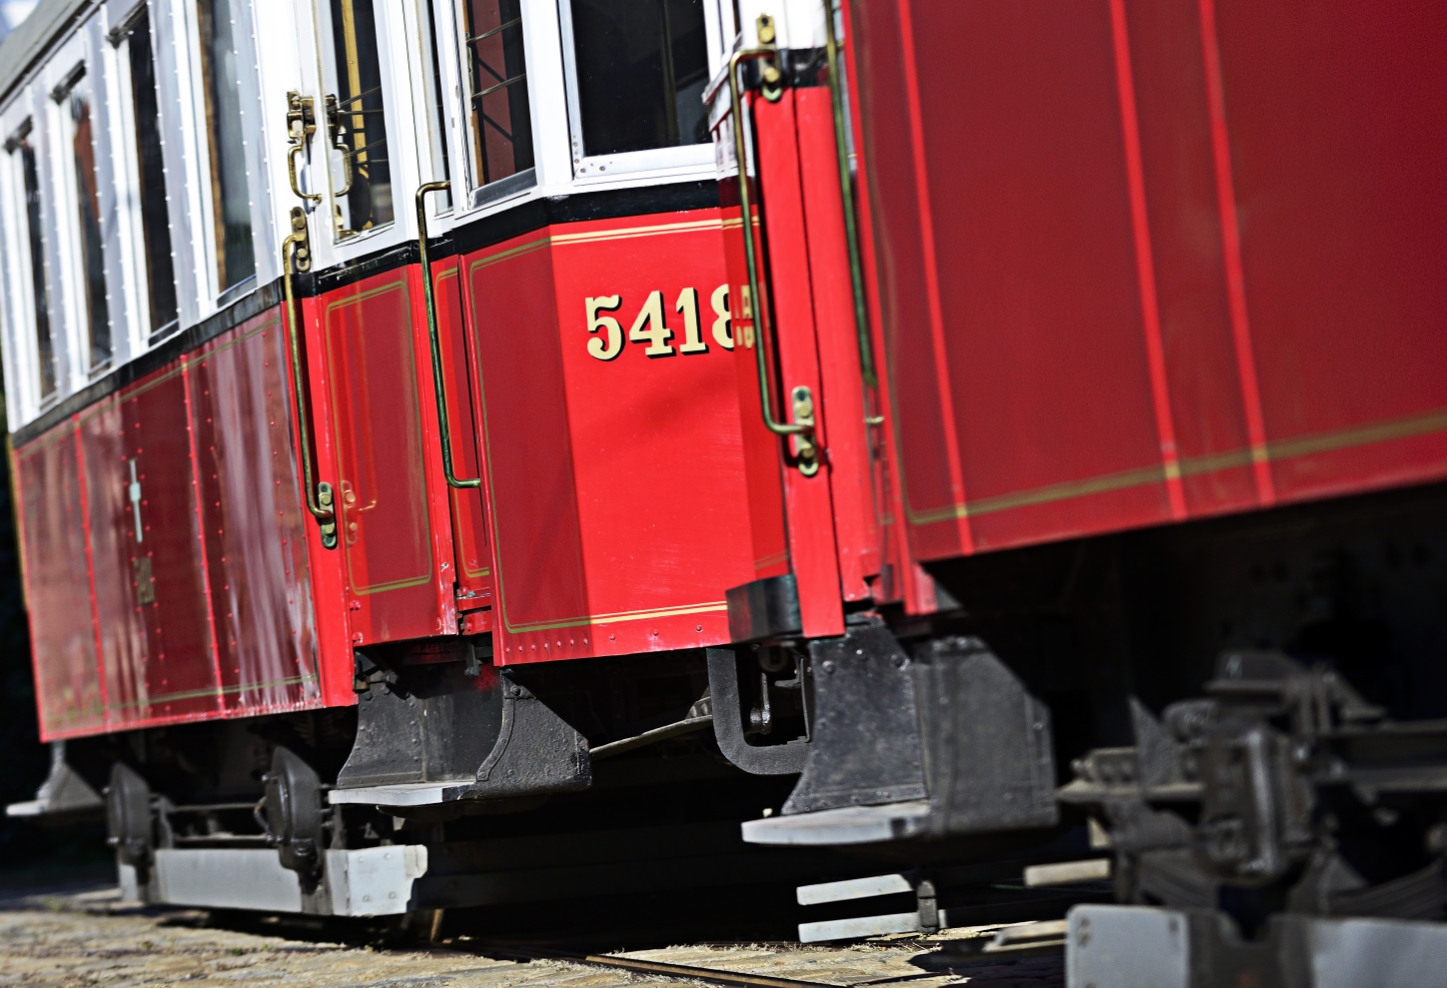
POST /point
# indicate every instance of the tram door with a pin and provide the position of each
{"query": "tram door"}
(371, 383)
(804, 374)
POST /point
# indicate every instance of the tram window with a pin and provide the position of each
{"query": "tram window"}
(230, 194)
(357, 121)
(155, 215)
(40, 298)
(502, 126)
(641, 69)
(441, 163)
(87, 201)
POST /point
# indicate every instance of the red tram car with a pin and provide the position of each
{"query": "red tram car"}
(445, 423)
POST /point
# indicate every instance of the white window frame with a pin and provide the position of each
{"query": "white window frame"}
(687, 161)
(62, 247)
(125, 248)
(181, 82)
(396, 24)
(539, 29)
(17, 301)
(91, 86)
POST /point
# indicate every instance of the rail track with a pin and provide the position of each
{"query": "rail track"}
(65, 940)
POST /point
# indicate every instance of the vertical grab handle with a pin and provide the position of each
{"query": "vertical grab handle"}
(295, 257)
(803, 429)
(846, 188)
(439, 385)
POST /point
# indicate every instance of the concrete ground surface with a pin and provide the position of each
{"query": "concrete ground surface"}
(81, 939)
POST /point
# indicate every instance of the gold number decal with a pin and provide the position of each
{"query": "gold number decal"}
(688, 306)
(650, 328)
(614, 343)
(722, 326)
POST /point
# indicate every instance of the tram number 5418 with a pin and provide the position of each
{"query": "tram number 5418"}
(605, 340)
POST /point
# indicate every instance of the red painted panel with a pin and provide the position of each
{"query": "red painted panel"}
(179, 678)
(813, 555)
(763, 502)
(1177, 258)
(914, 415)
(253, 521)
(851, 471)
(375, 393)
(472, 554)
(57, 590)
(525, 432)
(615, 483)
(115, 558)
(1337, 134)
(1185, 234)
(1038, 283)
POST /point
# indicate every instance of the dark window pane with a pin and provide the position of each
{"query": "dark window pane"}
(155, 216)
(230, 195)
(502, 128)
(357, 119)
(440, 161)
(44, 346)
(87, 195)
(642, 68)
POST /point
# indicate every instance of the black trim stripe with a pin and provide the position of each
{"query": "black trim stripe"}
(476, 235)
(246, 307)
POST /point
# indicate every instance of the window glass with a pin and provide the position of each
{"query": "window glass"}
(442, 166)
(357, 121)
(44, 346)
(642, 66)
(230, 194)
(87, 197)
(155, 216)
(502, 128)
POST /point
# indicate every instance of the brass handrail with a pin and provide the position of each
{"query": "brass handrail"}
(296, 256)
(846, 188)
(438, 382)
(756, 301)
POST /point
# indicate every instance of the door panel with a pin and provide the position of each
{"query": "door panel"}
(255, 540)
(471, 552)
(181, 674)
(120, 578)
(386, 534)
(57, 585)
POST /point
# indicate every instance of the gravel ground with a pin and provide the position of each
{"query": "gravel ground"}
(90, 939)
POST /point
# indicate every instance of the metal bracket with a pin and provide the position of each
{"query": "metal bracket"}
(301, 124)
(805, 447)
(728, 724)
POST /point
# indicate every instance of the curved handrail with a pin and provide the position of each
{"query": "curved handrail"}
(750, 259)
(846, 188)
(439, 385)
(296, 256)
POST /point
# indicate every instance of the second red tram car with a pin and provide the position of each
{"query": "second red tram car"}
(436, 423)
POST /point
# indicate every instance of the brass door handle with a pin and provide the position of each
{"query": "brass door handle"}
(439, 385)
(806, 449)
(295, 257)
(301, 123)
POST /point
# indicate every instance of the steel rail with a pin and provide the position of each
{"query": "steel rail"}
(734, 979)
